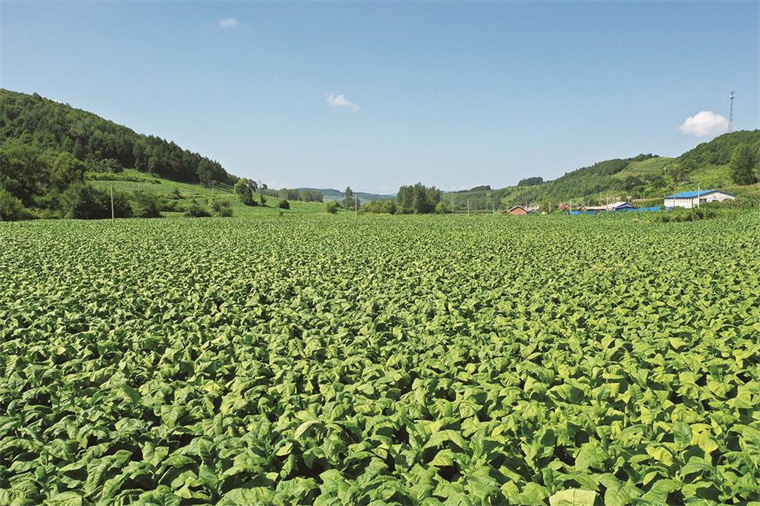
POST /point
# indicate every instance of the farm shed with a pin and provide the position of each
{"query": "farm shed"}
(615, 206)
(691, 199)
(623, 206)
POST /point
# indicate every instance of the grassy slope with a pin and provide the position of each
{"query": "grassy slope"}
(713, 176)
(650, 166)
(189, 192)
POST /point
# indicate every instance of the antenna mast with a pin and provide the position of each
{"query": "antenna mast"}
(731, 115)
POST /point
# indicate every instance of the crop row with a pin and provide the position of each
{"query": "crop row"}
(412, 360)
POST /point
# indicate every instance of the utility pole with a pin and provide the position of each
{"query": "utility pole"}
(731, 114)
(698, 188)
(113, 216)
(356, 207)
(468, 207)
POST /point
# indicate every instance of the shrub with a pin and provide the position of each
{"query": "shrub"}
(379, 207)
(83, 201)
(681, 215)
(197, 211)
(284, 204)
(331, 207)
(146, 205)
(11, 208)
(221, 208)
(171, 205)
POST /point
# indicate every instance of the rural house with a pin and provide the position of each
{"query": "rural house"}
(694, 198)
(522, 210)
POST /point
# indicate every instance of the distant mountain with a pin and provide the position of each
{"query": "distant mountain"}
(104, 146)
(333, 194)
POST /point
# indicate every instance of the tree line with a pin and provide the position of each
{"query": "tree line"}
(412, 199)
(50, 184)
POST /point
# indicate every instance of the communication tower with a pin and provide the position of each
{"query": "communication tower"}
(731, 115)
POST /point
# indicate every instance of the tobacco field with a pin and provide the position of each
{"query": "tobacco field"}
(418, 360)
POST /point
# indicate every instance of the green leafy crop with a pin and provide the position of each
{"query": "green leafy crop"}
(390, 360)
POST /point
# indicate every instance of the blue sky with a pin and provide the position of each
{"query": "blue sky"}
(376, 95)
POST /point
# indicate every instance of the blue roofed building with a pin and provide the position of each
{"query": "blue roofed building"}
(695, 198)
(614, 206)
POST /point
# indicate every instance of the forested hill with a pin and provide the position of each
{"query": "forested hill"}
(622, 174)
(718, 152)
(102, 145)
(603, 176)
(641, 177)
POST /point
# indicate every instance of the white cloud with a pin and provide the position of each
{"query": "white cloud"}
(228, 23)
(341, 102)
(704, 124)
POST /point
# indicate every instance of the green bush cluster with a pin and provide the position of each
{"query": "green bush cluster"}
(221, 208)
(379, 207)
(83, 201)
(680, 215)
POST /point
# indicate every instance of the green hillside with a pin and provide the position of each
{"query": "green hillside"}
(56, 160)
(103, 146)
(635, 176)
(644, 168)
(639, 178)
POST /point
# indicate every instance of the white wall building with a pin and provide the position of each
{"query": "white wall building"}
(693, 199)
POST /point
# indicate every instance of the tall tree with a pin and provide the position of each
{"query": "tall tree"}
(245, 188)
(743, 164)
(348, 198)
(24, 172)
(418, 198)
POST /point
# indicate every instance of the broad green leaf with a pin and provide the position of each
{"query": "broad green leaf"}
(681, 434)
(590, 455)
(301, 430)
(573, 497)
